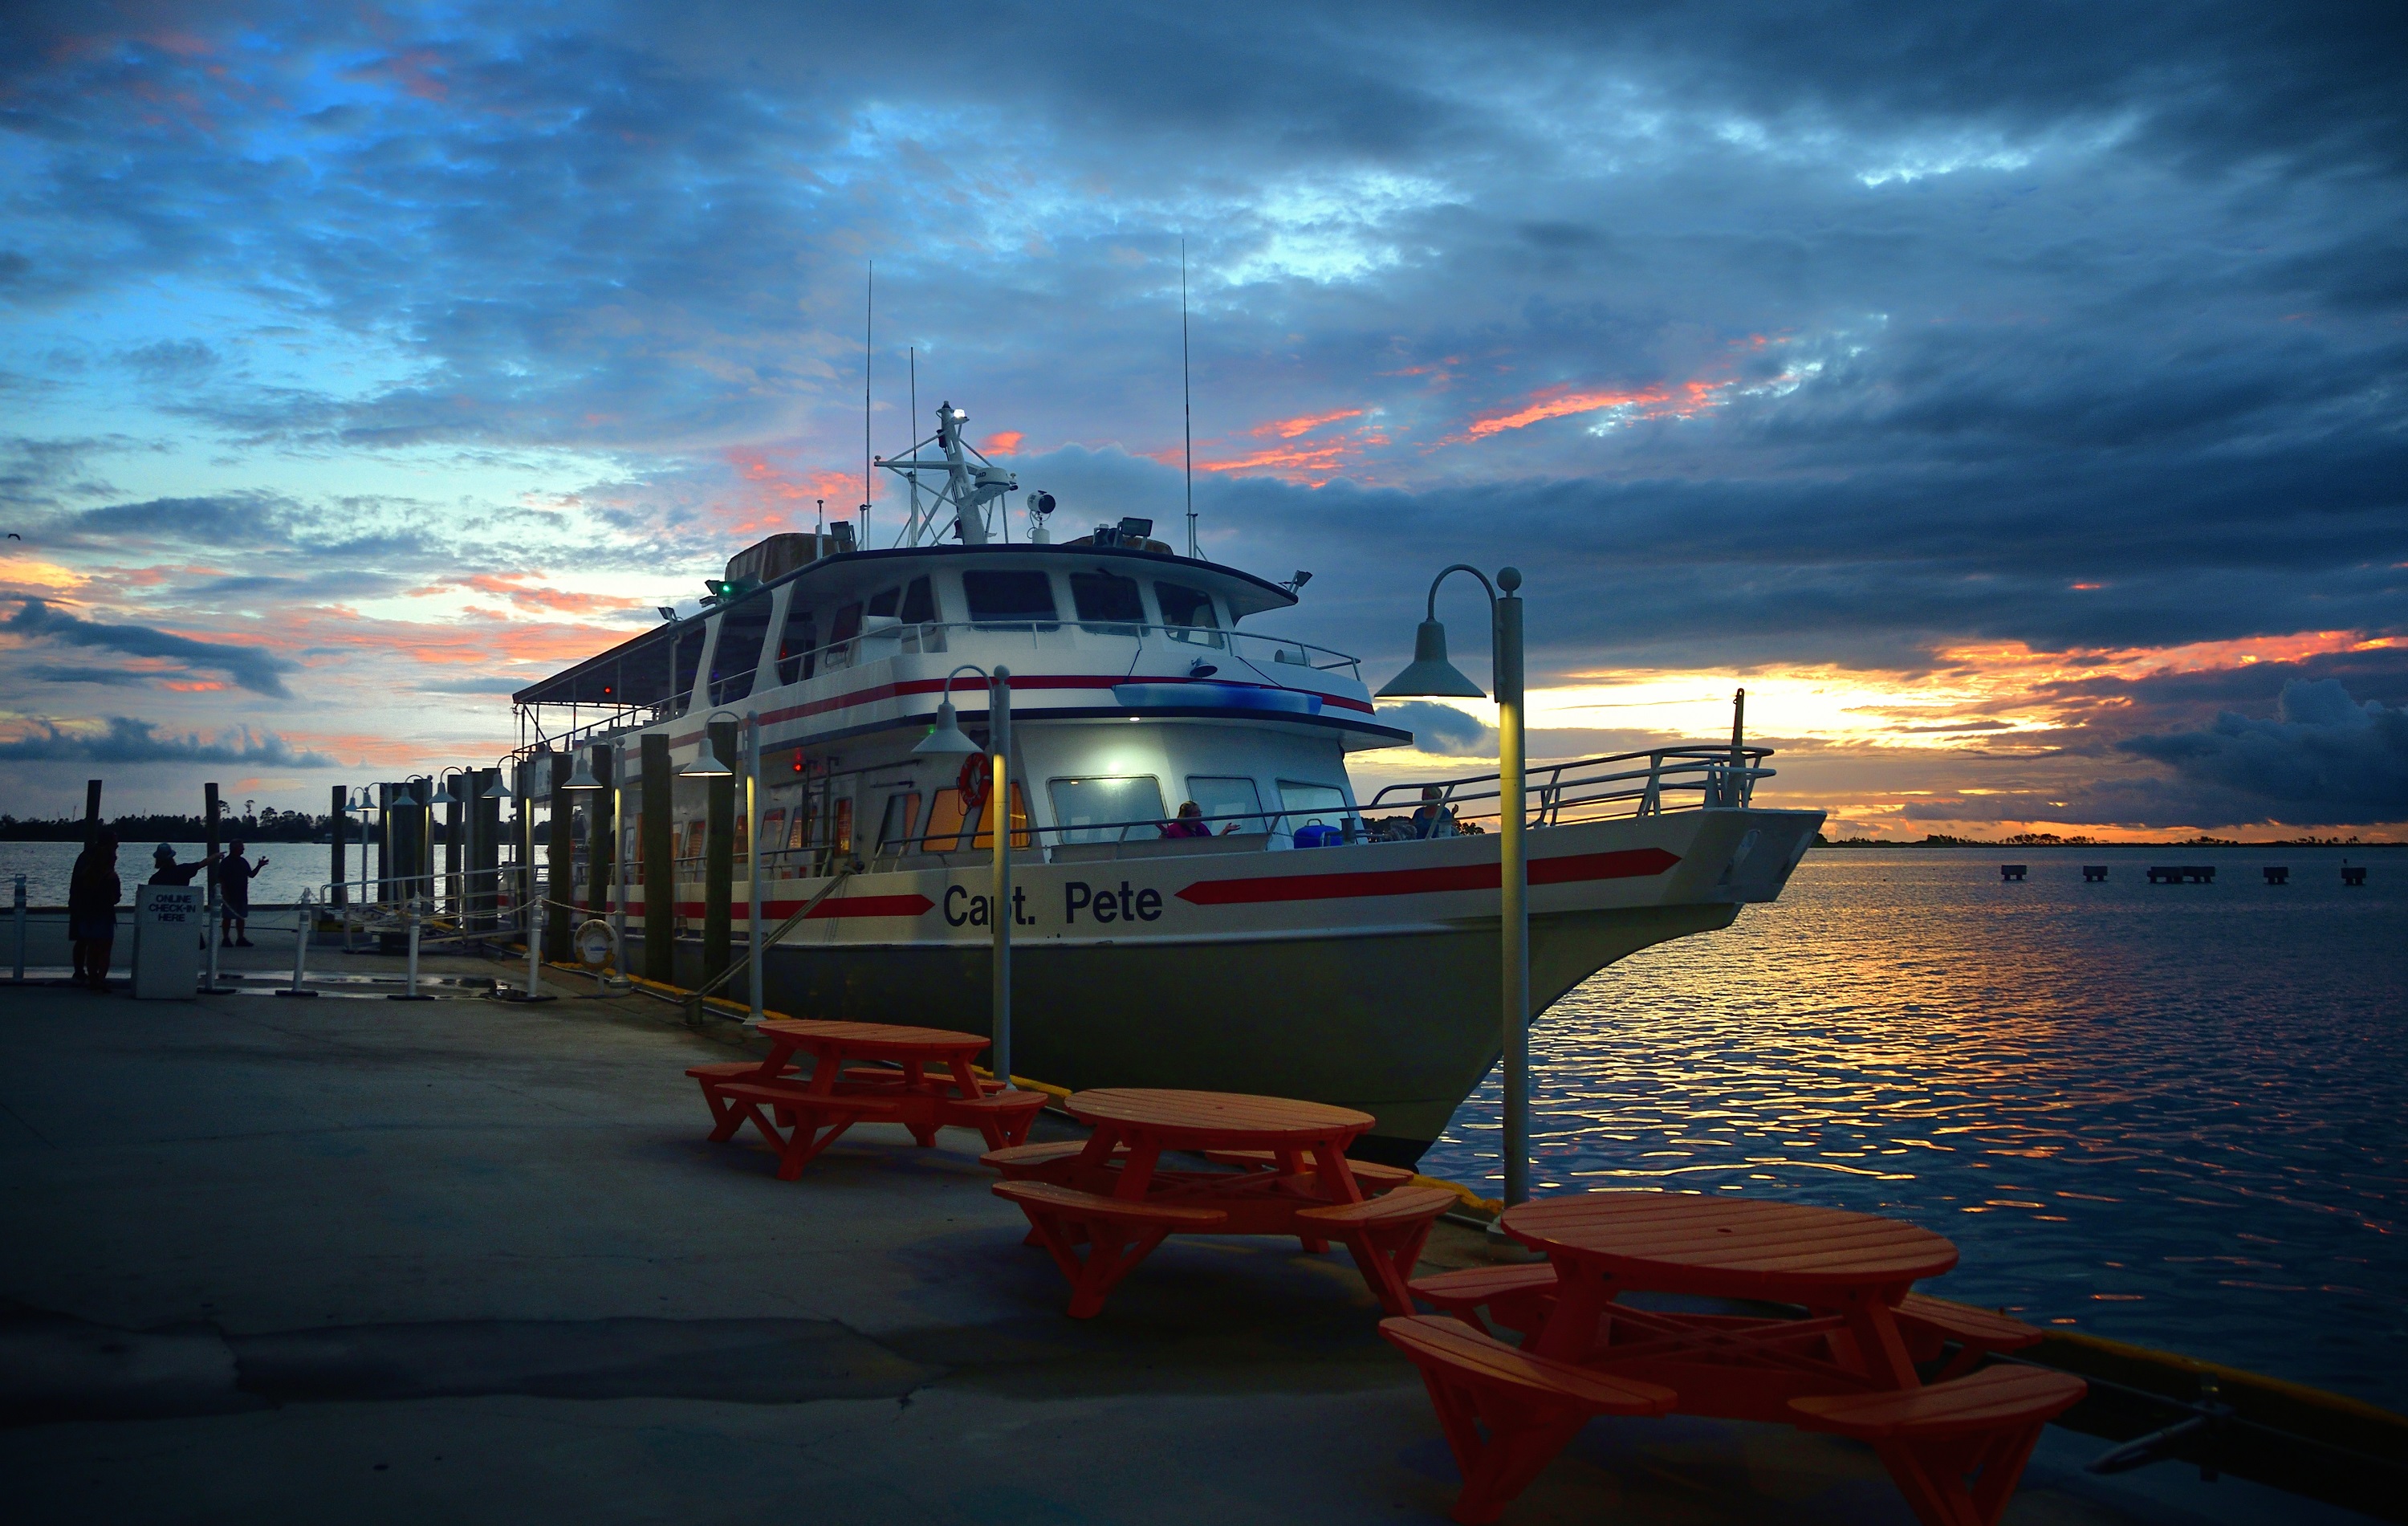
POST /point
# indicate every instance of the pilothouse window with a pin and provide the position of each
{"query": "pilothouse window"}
(798, 648)
(1188, 614)
(741, 632)
(1109, 605)
(1016, 598)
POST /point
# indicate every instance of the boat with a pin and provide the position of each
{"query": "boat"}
(1288, 937)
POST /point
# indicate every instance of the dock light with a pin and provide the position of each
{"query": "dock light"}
(1429, 674)
(946, 738)
(498, 790)
(666, 614)
(583, 779)
(706, 764)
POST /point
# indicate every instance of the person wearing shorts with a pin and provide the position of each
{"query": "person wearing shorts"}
(233, 890)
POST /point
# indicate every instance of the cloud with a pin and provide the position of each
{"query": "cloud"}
(126, 740)
(248, 667)
(2323, 757)
(1441, 729)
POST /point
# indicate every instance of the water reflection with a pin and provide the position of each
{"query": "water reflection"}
(2170, 1115)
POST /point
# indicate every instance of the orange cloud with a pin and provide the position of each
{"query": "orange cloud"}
(1304, 423)
(1005, 442)
(513, 586)
(1561, 401)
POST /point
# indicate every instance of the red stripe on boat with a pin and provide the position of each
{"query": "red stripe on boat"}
(1570, 869)
(834, 906)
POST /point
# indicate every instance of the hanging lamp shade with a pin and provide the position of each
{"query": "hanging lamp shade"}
(583, 778)
(498, 790)
(706, 764)
(1429, 674)
(946, 738)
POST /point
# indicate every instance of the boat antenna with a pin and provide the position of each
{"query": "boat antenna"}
(911, 525)
(1186, 403)
(868, 318)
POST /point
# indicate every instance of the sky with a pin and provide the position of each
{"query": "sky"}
(2010, 398)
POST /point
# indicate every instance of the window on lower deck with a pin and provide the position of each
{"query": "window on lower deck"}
(1121, 810)
(901, 820)
(1315, 804)
(1227, 796)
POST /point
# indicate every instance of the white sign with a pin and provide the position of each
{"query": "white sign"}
(168, 923)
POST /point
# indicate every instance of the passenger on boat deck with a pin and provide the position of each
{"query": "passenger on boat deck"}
(1191, 822)
(1434, 819)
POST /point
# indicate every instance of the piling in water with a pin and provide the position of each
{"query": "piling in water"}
(2183, 874)
(2094, 873)
(2277, 874)
(2012, 871)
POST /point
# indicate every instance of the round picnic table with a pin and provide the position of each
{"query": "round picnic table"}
(913, 1049)
(1850, 1269)
(1150, 1121)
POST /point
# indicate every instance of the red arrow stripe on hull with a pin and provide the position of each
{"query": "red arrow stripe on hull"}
(838, 906)
(1570, 869)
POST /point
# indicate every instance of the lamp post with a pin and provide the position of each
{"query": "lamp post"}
(1430, 674)
(706, 764)
(946, 739)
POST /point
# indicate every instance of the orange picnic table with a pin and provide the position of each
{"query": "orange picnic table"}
(1285, 1173)
(877, 1072)
(1848, 1364)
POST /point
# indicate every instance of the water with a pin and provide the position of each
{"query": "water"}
(2171, 1115)
(292, 868)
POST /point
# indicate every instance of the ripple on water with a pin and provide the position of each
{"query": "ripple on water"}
(2169, 1115)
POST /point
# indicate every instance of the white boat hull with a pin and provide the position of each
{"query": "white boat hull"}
(1365, 974)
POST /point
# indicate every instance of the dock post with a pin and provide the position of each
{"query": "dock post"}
(658, 862)
(300, 946)
(91, 810)
(719, 856)
(216, 902)
(1001, 909)
(560, 857)
(601, 833)
(20, 929)
(339, 821)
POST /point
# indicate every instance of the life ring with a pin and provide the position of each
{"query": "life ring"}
(975, 782)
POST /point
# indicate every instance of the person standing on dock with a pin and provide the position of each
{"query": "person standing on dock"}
(166, 870)
(234, 889)
(93, 891)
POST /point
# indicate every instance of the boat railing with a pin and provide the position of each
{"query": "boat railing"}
(1642, 783)
(1273, 659)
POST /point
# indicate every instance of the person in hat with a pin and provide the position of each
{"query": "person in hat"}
(1434, 819)
(166, 870)
(93, 891)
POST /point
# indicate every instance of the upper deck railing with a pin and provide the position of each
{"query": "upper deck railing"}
(1275, 661)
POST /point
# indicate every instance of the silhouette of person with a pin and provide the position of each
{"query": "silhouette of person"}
(166, 870)
(234, 893)
(1191, 822)
(93, 891)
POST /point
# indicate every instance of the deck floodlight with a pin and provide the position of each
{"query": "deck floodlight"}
(946, 738)
(583, 778)
(706, 764)
(1429, 674)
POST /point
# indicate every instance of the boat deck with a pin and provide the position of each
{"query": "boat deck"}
(350, 1259)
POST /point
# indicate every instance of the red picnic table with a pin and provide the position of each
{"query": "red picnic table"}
(1288, 1175)
(860, 1073)
(1848, 1364)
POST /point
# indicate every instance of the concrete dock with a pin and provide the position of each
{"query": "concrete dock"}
(266, 1260)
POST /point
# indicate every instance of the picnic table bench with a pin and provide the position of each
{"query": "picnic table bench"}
(1289, 1175)
(1848, 1364)
(919, 1077)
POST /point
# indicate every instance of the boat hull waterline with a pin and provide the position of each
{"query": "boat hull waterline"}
(1363, 974)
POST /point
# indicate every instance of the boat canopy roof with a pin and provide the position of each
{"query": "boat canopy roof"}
(639, 671)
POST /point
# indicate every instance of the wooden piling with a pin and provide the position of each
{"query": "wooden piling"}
(601, 836)
(561, 860)
(338, 822)
(658, 864)
(719, 857)
(484, 850)
(91, 810)
(209, 819)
